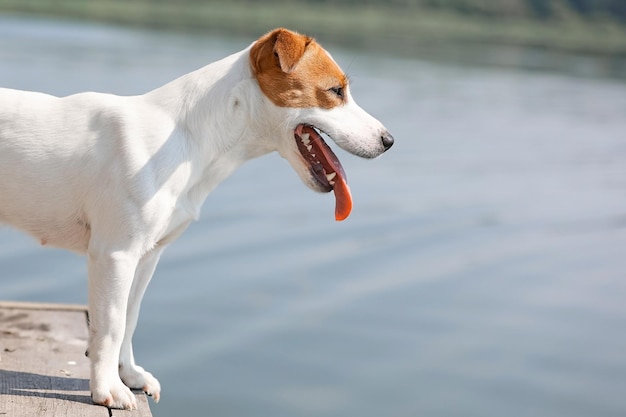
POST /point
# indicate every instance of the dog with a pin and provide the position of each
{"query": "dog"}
(119, 178)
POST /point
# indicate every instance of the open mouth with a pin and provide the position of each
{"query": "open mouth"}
(324, 167)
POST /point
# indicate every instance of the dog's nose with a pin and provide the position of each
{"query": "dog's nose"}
(387, 140)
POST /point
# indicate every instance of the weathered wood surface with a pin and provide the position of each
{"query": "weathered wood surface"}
(43, 368)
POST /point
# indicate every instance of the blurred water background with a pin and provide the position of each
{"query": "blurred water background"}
(481, 273)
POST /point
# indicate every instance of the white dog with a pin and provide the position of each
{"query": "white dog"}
(119, 178)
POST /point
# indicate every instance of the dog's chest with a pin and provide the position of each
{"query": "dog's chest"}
(72, 234)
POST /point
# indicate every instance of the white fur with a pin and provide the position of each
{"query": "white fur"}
(118, 178)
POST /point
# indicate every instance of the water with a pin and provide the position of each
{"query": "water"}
(481, 273)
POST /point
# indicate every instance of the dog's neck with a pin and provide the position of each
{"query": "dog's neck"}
(219, 141)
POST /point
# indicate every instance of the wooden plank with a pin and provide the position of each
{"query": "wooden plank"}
(43, 368)
(25, 305)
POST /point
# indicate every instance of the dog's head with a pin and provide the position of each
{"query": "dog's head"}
(309, 95)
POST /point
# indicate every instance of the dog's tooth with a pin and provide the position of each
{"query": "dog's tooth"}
(305, 138)
(331, 176)
(309, 147)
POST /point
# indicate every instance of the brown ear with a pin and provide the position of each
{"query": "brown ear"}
(289, 48)
(281, 47)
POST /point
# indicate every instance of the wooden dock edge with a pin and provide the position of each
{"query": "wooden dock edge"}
(26, 305)
(43, 368)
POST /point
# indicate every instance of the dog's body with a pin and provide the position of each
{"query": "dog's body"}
(118, 178)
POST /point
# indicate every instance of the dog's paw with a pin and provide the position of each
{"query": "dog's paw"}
(138, 378)
(114, 395)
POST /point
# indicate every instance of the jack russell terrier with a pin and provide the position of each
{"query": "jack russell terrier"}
(119, 178)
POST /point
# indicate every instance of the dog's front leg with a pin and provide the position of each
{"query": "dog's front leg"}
(110, 278)
(133, 375)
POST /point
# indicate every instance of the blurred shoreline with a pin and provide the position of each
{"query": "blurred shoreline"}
(400, 30)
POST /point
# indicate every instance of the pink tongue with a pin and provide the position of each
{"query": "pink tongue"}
(343, 199)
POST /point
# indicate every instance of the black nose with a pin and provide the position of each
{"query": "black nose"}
(387, 140)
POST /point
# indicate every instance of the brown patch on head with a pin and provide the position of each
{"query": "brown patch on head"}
(293, 70)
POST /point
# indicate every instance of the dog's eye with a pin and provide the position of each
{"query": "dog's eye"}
(338, 91)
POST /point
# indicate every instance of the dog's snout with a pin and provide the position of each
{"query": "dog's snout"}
(387, 140)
